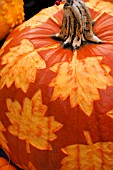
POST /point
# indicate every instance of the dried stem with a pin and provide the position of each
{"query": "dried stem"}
(76, 26)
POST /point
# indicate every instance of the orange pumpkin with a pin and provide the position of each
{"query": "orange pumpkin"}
(56, 104)
(5, 165)
(11, 15)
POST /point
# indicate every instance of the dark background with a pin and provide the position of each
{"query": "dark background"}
(34, 6)
(31, 7)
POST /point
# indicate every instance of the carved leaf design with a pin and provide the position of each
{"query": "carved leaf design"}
(3, 141)
(101, 6)
(20, 66)
(80, 80)
(98, 156)
(29, 123)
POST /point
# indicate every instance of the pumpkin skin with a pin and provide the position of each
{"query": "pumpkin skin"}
(11, 15)
(56, 105)
(5, 165)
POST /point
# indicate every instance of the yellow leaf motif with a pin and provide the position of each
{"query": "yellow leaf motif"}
(101, 6)
(3, 141)
(20, 66)
(98, 156)
(29, 123)
(80, 79)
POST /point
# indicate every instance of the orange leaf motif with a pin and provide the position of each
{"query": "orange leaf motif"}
(29, 123)
(101, 6)
(21, 64)
(80, 79)
(3, 141)
(98, 156)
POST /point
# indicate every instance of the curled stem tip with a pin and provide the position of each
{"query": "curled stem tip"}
(76, 28)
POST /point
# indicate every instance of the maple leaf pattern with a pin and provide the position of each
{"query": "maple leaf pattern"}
(3, 141)
(101, 6)
(20, 66)
(29, 123)
(98, 156)
(80, 79)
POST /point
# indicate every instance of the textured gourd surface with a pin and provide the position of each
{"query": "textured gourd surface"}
(11, 15)
(56, 105)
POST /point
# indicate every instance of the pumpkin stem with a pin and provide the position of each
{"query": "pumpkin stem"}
(77, 25)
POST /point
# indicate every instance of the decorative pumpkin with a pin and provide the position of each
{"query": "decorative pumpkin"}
(56, 104)
(5, 165)
(11, 15)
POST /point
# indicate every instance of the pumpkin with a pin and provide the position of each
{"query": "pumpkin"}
(5, 165)
(11, 15)
(56, 103)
